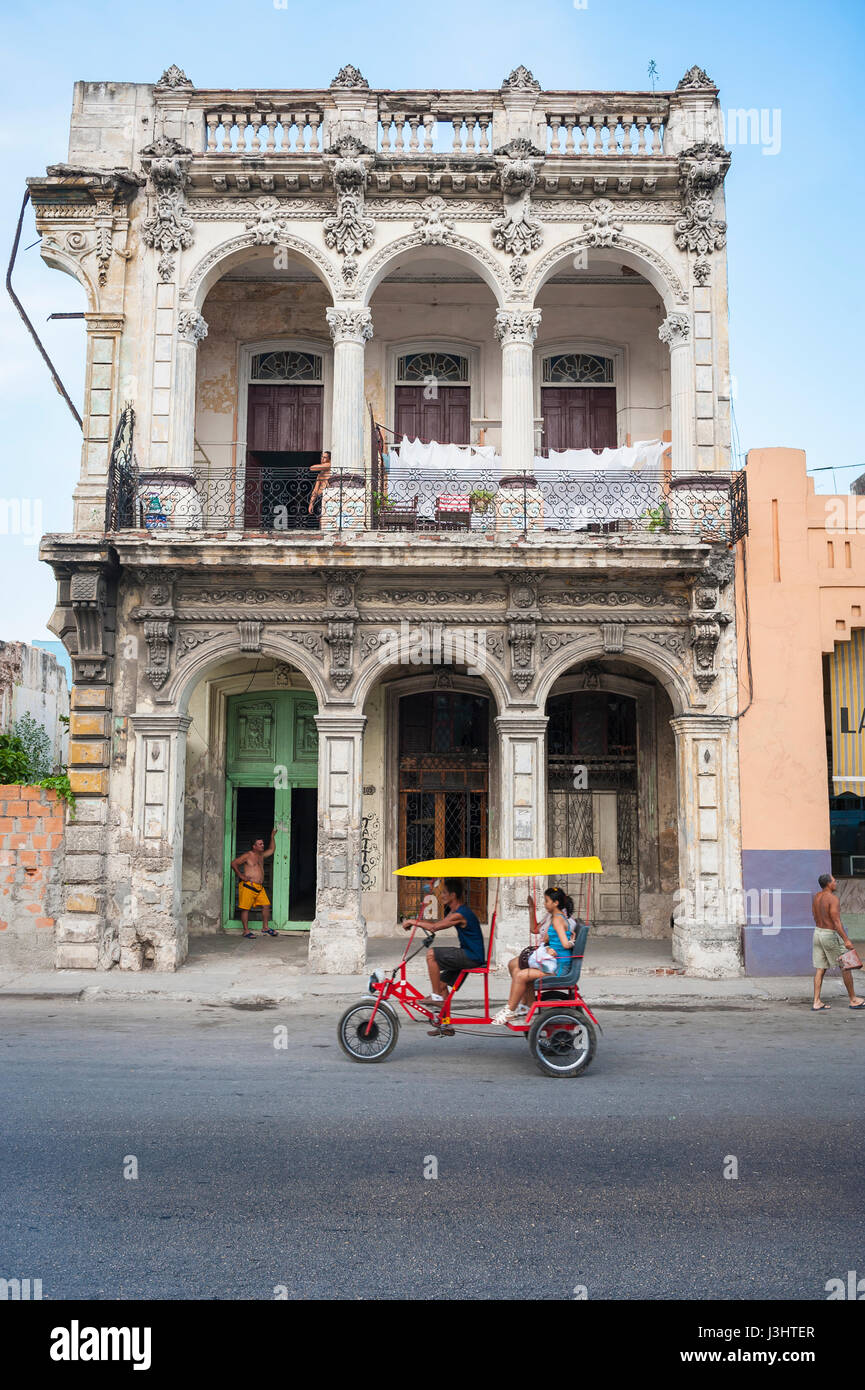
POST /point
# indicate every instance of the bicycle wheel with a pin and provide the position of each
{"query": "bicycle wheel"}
(362, 1042)
(562, 1042)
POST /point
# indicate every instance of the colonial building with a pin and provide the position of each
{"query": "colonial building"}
(466, 635)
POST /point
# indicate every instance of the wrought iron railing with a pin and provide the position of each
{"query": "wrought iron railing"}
(479, 502)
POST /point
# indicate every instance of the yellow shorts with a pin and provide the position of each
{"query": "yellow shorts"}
(251, 895)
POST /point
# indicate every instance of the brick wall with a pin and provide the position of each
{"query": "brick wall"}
(32, 824)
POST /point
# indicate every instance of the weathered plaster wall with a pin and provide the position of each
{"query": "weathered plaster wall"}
(33, 682)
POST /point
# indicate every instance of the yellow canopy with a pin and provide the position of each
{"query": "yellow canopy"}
(500, 868)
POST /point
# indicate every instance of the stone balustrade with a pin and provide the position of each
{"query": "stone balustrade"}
(605, 131)
(276, 131)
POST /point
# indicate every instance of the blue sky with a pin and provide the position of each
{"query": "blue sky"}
(795, 218)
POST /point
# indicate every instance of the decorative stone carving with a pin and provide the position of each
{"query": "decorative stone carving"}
(702, 272)
(250, 636)
(613, 636)
(267, 227)
(349, 325)
(520, 79)
(350, 76)
(191, 326)
(517, 325)
(88, 595)
(516, 231)
(518, 272)
(432, 224)
(171, 228)
(350, 231)
(310, 641)
(521, 639)
(672, 641)
(340, 639)
(705, 637)
(702, 169)
(614, 598)
(695, 78)
(602, 230)
(159, 635)
(675, 329)
(188, 639)
(173, 77)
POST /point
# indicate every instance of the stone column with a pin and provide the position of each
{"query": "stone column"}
(516, 330)
(337, 939)
(191, 329)
(675, 331)
(708, 916)
(152, 925)
(350, 329)
(522, 818)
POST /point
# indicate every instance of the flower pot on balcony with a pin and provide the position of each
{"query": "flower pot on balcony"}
(519, 506)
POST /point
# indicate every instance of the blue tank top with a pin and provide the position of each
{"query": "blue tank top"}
(564, 954)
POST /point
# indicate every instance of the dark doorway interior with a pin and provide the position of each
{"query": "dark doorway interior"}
(254, 818)
(304, 826)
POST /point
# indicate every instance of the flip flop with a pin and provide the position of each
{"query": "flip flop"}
(854, 1007)
(269, 932)
(822, 1008)
(248, 935)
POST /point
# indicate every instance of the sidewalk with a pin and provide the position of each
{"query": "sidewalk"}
(263, 973)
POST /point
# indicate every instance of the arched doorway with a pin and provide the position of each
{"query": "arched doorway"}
(612, 791)
(443, 744)
(592, 793)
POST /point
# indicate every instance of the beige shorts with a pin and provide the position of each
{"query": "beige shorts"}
(826, 949)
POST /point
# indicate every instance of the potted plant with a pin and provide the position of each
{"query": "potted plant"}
(481, 500)
(657, 518)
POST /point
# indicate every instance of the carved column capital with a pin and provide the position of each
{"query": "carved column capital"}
(675, 330)
(349, 325)
(191, 327)
(517, 325)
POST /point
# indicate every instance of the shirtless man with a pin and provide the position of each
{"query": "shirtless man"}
(321, 482)
(249, 868)
(830, 939)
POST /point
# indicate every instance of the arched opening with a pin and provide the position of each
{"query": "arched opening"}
(430, 785)
(251, 768)
(264, 387)
(611, 792)
(601, 372)
(434, 366)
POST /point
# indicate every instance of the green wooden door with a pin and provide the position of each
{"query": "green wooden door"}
(271, 781)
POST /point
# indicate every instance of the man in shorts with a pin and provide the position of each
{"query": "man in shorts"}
(830, 939)
(249, 868)
(445, 963)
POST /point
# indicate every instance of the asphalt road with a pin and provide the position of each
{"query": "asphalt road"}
(264, 1168)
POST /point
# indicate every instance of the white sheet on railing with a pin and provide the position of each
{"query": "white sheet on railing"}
(568, 503)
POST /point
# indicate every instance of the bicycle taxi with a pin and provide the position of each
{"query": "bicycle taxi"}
(560, 1027)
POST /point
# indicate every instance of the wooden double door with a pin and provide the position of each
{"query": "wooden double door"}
(444, 418)
(579, 417)
(272, 781)
(284, 432)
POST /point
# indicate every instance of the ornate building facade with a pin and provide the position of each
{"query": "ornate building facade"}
(466, 639)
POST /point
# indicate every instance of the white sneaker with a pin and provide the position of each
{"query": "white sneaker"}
(521, 1011)
(505, 1015)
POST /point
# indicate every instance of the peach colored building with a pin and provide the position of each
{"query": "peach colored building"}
(800, 600)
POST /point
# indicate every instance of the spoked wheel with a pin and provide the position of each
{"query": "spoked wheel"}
(365, 1042)
(562, 1042)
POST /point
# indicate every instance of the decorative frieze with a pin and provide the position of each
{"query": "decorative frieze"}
(602, 230)
(159, 636)
(675, 330)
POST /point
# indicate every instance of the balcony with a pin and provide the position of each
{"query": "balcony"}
(478, 504)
